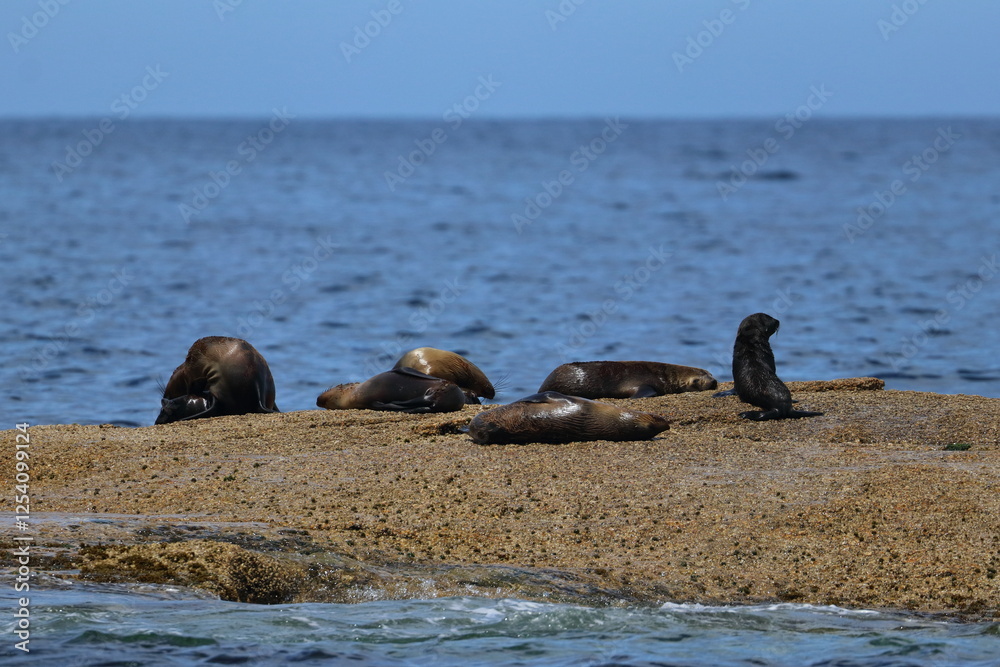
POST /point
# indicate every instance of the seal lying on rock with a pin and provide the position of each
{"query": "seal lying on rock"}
(452, 367)
(401, 389)
(626, 379)
(754, 372)
(220, 376)
(557, 418)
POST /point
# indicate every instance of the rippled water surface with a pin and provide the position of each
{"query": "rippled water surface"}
(509, 243)
(101, 624)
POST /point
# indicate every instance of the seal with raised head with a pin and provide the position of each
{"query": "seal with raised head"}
(626, 379)
(220, 376)
(552, 417)
(452, 367)
(401, 390)
(755, 375)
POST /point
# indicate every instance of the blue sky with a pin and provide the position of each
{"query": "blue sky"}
(640, 58)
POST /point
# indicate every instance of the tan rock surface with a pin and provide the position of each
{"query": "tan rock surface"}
(861, 507)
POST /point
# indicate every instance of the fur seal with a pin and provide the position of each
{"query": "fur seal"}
(626, 379)
(754, 373)
(452, 367)
(220, 376)
(401, 389)
(552, 417)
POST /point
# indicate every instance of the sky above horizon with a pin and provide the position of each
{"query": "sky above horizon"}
(522, 58)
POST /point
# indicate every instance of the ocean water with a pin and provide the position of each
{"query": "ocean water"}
(335, 246)
(150, 626)
(521, 244)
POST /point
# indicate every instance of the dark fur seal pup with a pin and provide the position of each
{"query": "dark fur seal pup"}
(754, 373)
(556, 418)
(452, 367)
(401, 389)
(626, 379)
(220, 376)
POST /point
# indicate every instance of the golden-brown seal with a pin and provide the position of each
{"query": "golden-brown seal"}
(556, 418)
(754, 372)
(449, 366)
(220, 376)
(626, 379)
(401, 389)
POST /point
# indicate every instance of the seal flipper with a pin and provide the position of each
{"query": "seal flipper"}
(776, 413)
(208, 412)
(646, 391)
(413, 405)
(545, 397)
(761, 415)
(406, 370)
(728, 392)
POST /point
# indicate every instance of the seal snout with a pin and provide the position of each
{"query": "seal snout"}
(704, 383)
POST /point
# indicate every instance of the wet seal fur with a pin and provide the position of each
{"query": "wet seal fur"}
(400, 390)
(626, 379)
(452, 367)
(220, 376)
(754, 372)
(552, 417)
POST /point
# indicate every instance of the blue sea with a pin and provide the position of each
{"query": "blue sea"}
(90, 624)
(334, 246)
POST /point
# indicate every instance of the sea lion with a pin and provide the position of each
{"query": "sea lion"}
(553, 417)
(401, 389)
(220, 376)
(626, 379)
(449, 366)
(754, 372)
